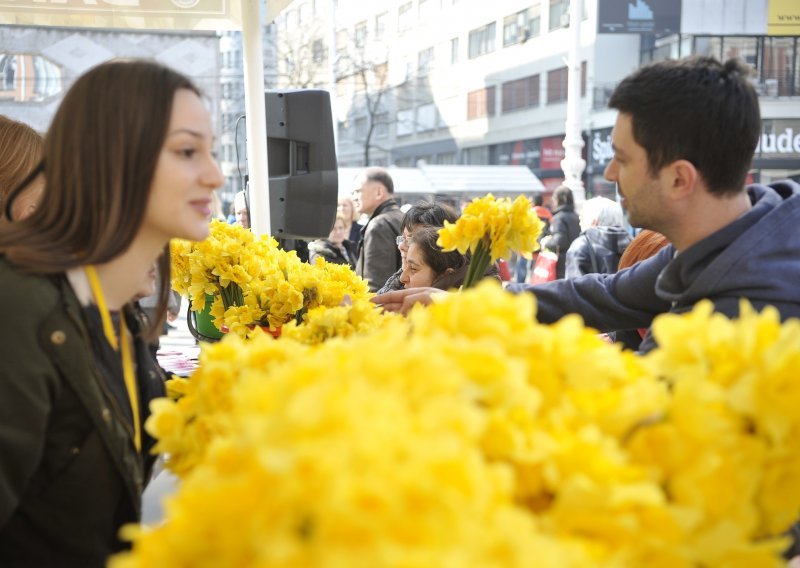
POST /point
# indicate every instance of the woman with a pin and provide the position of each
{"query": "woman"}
(335, 248)
(421, 214)
(20, 151)
(428, 266)
(347, 210)
(128, 165)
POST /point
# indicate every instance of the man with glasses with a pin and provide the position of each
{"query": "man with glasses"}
(378, 257)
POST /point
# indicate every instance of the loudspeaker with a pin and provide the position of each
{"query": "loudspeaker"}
(303, 179)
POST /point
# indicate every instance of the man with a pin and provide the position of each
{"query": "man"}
(683, 142)
(378, 257)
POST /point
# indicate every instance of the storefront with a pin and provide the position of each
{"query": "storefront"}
(778, 152)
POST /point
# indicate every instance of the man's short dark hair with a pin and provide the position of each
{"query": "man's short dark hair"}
(381, 176)
(428, 214)
(695, 109)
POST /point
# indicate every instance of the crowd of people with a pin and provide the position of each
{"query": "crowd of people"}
(87, 213)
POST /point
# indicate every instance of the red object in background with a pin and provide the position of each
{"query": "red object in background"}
(503, 270)
(552, 152)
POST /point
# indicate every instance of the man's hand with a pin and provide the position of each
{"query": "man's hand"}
(403, 300)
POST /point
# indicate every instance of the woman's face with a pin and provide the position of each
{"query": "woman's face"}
(186, 173)
(416, 273)
(346, 209)
(338, 233)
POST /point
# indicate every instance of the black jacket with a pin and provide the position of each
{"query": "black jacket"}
(378, 256)
(565, 227)
(70, 475)
(330, 252)
(597, 249)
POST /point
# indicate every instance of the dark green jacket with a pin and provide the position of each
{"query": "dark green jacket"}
(70, 476)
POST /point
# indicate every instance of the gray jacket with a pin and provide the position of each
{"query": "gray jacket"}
(378, 256)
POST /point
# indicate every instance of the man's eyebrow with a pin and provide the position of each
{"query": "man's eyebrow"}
(617, 149)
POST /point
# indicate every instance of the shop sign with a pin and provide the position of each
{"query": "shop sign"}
(780, 138)
(600, 149)
(552, 152)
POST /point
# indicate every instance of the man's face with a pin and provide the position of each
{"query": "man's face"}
(368, 196)
(642, 193)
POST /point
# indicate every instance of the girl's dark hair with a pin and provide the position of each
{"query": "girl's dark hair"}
(20, 152)
(439, 261)
(100, 155)
(428, 214)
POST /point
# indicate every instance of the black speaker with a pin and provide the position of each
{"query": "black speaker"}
(303, 180)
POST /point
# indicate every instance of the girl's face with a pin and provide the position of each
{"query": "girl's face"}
(186, 173)
(416, 273)
(338, 233)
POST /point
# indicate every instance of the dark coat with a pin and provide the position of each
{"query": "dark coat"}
(378, 256)
(331, 253)
(564, 228)
(756, 257)
(597, 249)
(70, 475)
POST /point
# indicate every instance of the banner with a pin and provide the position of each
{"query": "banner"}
(638, 16)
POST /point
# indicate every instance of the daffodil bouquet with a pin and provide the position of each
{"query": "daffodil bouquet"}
(486, 441)
(254, 283)
(491, 228)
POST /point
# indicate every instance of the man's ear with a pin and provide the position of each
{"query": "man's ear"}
(683, 179)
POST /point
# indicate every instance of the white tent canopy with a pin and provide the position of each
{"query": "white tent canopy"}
(466, 181)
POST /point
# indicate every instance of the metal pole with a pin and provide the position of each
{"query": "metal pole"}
(256, 124)
(573, 164)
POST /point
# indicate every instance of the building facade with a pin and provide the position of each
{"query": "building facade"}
(472, 82)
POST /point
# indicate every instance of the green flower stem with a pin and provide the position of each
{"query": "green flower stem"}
(478, 264)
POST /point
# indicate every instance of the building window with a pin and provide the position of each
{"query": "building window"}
(424, 62)
(344, 130)
(427, 117)
(557, 85)
(380, 25)
(360, 36)
(318, 50)
(404, 16)
(303, 13)
(426, 9)
(360, 127)
(521, 26)
(381, 125)
(405, 122)
(454, 50)
(559, 14)
(520, 94)
(481, 40)
(480, 103)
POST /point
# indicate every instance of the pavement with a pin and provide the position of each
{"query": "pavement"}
(178, 350)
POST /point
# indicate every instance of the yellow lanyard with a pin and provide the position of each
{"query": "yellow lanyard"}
(127, 360)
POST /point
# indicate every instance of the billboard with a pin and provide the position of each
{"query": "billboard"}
(638, 16)
(783, 18)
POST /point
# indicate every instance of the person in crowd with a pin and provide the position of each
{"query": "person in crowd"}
(347, 210)
(378, 257)
(643, 246)
(522, 265)
(421, 214)
(128, 164)
(683, 142)
(564, 227)
(240, 210)
(427, 265)
(20, 151)
(602, 241)
(336, 248)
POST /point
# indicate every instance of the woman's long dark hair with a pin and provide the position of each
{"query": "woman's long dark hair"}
(100, 155)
